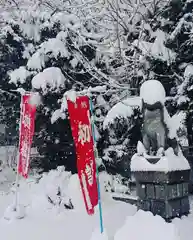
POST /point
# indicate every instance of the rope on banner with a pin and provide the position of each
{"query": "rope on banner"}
(96, 156)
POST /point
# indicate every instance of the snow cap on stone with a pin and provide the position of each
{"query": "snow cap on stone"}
(152, 91)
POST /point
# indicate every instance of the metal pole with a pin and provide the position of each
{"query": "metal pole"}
(17, 175)
(96, 156)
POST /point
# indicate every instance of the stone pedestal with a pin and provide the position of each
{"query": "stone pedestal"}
(164, 194)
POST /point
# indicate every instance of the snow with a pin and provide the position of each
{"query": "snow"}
(169, 162)
(74, 62)
(124, 196)
(59, 113)
(184, 86)
(71, 95)
(44, 220)
(174, 123)
(56, 47)
(152, 91)
(170, 123)
(22, 91)
(14, 212)
(35, 99)
(133, 101)
(98, 89)
(157, 49)
(178, 124)
(96, 235)
(19, 75)
(145, 226)
(52, 48)
(120, 110)
(49, 80)
(37, 61)
(183, 99)
(188, 71)
(140, 148)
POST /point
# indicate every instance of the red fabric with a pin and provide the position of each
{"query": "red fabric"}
(27, 122)
(79, 113)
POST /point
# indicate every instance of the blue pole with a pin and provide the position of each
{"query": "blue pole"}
(96, 156)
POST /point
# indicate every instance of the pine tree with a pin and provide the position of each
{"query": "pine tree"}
(53, 46)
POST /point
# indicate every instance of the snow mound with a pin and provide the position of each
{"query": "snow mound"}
(52, 190)
(169, 162)
(145, 226)
(50, 79)
(75, 193)
(152, 91)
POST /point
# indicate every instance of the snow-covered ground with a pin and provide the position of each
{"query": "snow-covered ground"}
(44, 221)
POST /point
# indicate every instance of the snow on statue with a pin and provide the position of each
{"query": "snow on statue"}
(157, 130)
(159, 136)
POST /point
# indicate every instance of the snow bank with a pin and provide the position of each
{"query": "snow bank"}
(169, 162)
(145, 226)
(52, 190)
(50, 79)
(152, 91)
(44, 220)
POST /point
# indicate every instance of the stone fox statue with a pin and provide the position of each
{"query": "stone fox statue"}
(154, 129)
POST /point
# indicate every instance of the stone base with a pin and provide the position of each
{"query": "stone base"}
(164, 194)
(166, 209)
(162, 177)
(162, 191)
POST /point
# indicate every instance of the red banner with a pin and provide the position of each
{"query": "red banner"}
(27, 122)
(79, 113)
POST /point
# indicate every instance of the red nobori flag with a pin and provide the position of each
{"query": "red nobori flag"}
(27, 122)
(79, 113)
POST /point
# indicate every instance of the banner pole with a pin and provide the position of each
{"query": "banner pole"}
(18, 154)
(97, 172)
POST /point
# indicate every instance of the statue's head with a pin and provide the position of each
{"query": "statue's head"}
(152, 91)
